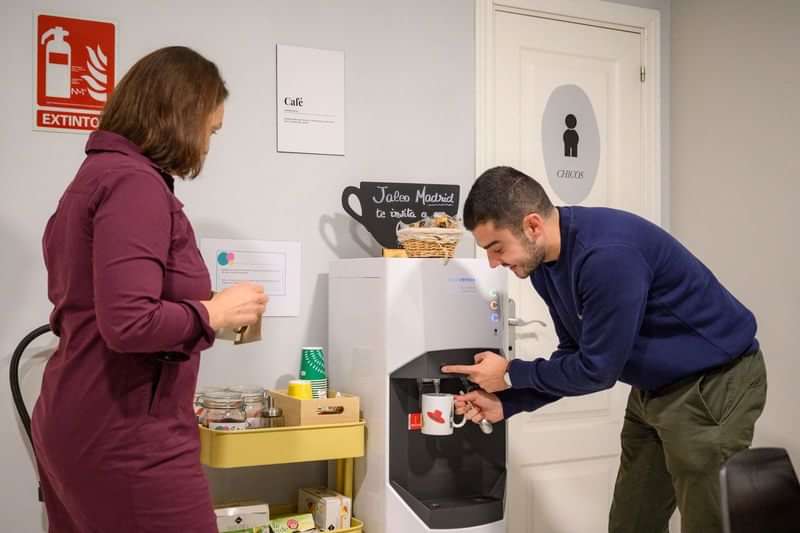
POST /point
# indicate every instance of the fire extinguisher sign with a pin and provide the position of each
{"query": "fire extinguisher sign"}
(75, 68)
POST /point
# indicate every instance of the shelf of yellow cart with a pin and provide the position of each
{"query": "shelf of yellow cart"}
(272, 446)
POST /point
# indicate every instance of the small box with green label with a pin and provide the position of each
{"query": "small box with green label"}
(295, 523)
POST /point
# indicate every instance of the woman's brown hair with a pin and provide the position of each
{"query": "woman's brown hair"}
(163, 105)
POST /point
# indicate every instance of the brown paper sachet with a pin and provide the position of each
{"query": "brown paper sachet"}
(247, 334)
(241, 335)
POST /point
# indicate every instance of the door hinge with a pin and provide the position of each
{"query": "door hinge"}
(642, 74)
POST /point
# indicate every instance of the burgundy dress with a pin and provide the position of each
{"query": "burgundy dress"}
(114, 428)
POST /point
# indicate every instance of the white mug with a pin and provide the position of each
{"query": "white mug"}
(437, 414)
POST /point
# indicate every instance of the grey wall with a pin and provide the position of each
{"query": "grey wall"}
(410, 101)
(735, 168)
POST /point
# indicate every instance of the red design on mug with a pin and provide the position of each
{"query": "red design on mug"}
(436, 416)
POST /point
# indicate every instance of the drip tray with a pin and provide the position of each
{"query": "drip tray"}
(453, 512)
(438, 504)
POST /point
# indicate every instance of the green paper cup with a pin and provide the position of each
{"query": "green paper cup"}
(312, 364)
(312, 368)
(319, 388)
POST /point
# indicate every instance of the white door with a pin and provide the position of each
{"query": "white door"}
(563, 458)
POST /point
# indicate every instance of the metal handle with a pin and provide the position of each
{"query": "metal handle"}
(520, 322)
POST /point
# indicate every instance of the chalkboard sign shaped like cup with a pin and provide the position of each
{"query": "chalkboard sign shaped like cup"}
(384, 205)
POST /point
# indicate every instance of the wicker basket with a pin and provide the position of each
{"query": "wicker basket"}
(429, 242)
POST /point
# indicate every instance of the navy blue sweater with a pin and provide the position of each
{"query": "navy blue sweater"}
(628, 303)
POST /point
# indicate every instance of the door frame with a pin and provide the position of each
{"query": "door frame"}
(596, 13)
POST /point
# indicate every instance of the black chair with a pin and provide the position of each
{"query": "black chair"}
(16, 392)
(759, 492)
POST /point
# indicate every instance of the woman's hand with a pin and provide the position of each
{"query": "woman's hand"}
(236, 306)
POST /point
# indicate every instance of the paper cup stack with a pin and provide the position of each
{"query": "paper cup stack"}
(300, 389)
(312, 368)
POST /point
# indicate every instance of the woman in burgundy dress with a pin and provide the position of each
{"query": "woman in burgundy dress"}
(114, 428)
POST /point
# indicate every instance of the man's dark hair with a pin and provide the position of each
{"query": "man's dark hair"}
(504, 196)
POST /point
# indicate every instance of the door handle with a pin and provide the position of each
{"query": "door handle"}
(520, 322)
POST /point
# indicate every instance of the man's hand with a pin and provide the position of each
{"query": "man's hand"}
(479, 405)
(487, 372)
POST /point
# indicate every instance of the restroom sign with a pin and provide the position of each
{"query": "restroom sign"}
(75, 71)
(571, 143)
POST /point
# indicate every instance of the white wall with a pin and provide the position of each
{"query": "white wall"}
(735, 168)
(409, 116)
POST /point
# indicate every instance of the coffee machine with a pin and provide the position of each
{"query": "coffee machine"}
(393, 323)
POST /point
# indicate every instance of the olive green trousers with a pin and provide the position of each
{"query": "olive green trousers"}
(674, 442)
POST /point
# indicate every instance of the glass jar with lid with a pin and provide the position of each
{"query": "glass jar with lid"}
(224, 411)
(253, 397)
(198, 400)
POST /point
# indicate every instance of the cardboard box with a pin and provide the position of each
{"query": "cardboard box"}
(330, 410)
(295, 523)
(330, 509)
(243, 518)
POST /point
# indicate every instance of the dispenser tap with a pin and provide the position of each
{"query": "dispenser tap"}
(435, 381)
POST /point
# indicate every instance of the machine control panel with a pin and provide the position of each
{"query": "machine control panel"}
(494, 308)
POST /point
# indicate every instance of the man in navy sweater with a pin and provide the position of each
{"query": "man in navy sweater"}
(629, 303)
